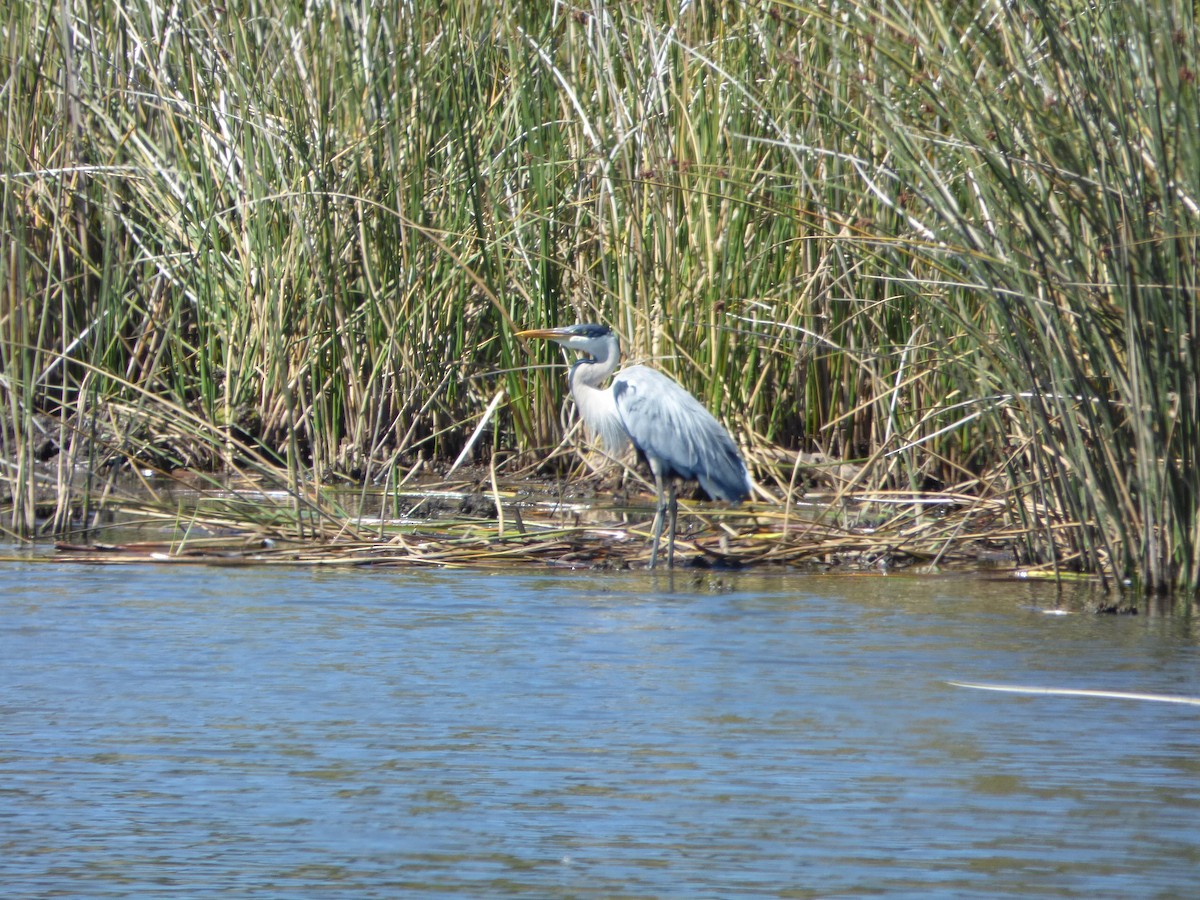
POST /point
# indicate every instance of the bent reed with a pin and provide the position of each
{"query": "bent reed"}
(950, 249)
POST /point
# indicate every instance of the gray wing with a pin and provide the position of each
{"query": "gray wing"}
(669, 425)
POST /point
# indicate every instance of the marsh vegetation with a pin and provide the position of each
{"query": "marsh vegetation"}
(949, 249)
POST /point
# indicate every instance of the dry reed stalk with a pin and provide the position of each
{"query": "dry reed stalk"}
(756, 536)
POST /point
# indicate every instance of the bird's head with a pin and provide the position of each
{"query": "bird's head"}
(596, 341)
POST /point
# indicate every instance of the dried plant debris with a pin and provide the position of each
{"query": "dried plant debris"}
(439, 526)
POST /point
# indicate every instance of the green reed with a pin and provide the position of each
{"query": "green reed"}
(1053, 173)
(955, 245)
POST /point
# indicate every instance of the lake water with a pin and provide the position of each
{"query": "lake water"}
(193, 732)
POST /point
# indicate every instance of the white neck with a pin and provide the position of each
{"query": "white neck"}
(590, 371)
(595, 404)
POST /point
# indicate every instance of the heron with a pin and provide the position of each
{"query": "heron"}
(672, 432)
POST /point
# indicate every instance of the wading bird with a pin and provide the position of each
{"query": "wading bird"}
(671, 431)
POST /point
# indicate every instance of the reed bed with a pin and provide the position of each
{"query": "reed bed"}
(911, 250)
(449, 524)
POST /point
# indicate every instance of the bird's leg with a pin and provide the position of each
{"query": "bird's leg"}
(674, 511)
(658, 516)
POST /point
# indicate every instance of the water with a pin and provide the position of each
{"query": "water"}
(194, 732)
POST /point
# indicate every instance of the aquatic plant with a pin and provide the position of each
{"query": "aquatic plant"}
(954, 246)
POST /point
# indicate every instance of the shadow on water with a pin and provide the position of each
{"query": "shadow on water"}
(263, 733)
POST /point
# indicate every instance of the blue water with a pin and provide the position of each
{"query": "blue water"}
(194, 732)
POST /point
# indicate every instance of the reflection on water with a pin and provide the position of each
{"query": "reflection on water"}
(293, 733)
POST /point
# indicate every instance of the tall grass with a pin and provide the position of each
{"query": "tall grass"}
(1052, 158)
(956, 245)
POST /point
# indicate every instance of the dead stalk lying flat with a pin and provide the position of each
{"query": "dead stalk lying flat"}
(1076, 692)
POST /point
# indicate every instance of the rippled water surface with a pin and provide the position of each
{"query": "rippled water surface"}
(290, 733)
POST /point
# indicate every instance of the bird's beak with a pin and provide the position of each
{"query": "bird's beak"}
(553, 334)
